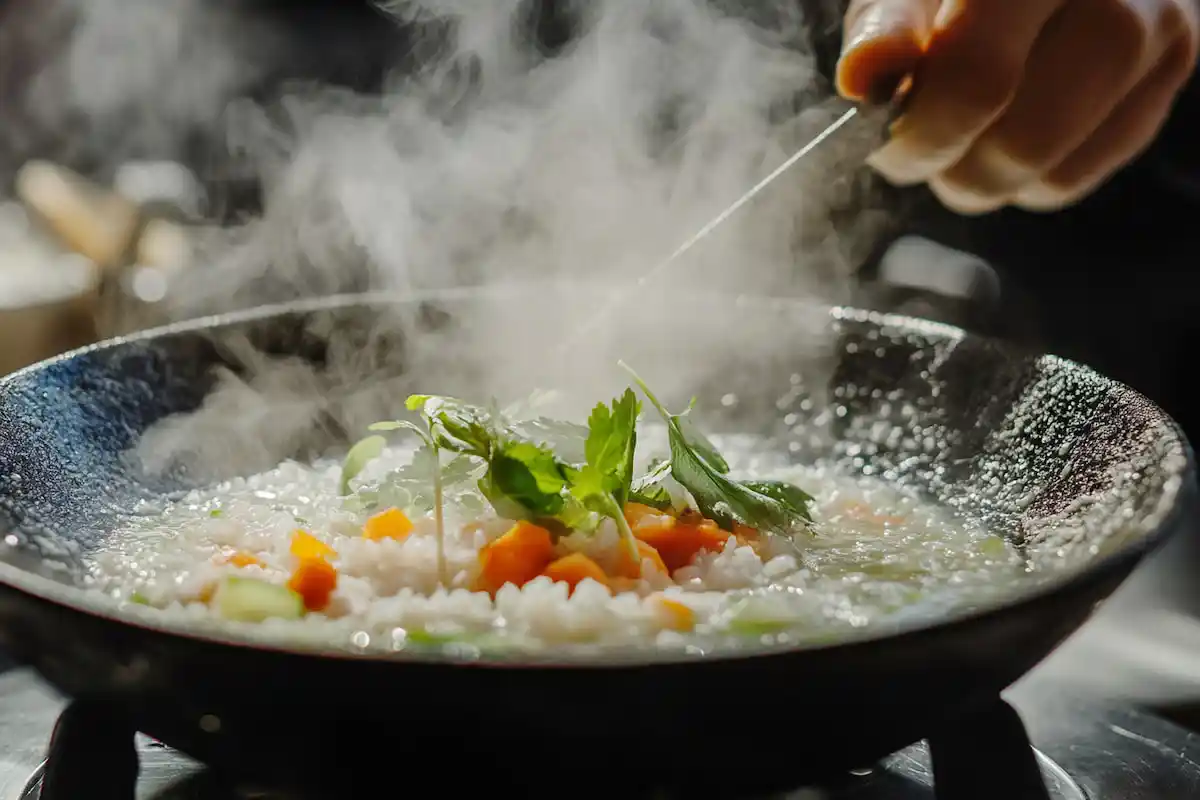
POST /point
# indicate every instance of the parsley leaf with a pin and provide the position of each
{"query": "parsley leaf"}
(612, 439)
(697, 465)
(603, 484)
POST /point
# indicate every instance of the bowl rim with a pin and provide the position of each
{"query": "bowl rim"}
(1159, 524)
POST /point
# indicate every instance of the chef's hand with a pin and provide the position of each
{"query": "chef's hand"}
(1031, 103)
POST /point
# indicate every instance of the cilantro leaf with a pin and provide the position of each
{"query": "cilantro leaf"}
(358, 457)
(697, 465)
(566, 439)
(430, 438)
(793, 497)
(698, 442)
(524, 481)
(456, 426)
(410, 487)
(648, 489)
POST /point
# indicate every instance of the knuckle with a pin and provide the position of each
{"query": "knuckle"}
(990, 85)
(1045, 197)
(962, 199)
(1052, 191)
(987, 83)
(1180, 29)
(1180, 55)
(898, 167)
(1020, 151)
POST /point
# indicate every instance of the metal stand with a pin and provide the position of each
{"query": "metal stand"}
(986, 755)
(91, 755)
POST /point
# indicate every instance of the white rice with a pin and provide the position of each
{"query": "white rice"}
(878, 556)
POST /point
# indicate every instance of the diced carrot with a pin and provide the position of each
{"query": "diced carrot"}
(617, 585)
(306, 546)
(314, 580)
(746, 536)
(744, 531)
(678, 543)
(243, 559)
(390, 524)
(573, 569)
(634, 512)
(680, 616)
(863, 513)
(625, 568)
(517, 557)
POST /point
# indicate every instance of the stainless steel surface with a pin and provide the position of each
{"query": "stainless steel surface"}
(1090, 750)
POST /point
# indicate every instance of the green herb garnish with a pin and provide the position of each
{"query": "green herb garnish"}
(648, 489)
(604, 483)
(524, 479)
(358, 457)
(566, 477)
(427, 435)
(700, 469)
(758, 627)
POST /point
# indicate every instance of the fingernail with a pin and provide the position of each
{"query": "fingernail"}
(881, 50)
(880, 20)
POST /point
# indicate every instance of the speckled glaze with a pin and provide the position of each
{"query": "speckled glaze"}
(1018, 440)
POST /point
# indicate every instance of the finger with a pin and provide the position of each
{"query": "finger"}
(882, 43)
(970, 71)
(1127, 132)
(1087, 59)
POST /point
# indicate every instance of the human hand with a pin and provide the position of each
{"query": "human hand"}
(1031, 103)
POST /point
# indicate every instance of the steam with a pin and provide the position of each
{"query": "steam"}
(96, 82)
(494, 163)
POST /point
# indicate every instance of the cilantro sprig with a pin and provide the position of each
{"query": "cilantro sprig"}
(524, 479)
(428, 437)
(566, 477)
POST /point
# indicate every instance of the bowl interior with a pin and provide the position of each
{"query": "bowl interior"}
(1071, 466)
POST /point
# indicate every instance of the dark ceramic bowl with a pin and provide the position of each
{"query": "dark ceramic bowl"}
(1082, 473)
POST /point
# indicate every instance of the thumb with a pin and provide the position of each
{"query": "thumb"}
(882, 43)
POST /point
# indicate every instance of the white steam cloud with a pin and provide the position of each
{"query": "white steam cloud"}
(492, 165)
(487, 161)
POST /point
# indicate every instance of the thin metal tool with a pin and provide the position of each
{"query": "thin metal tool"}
(594, 319)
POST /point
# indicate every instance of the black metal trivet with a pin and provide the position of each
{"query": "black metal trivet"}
(983, 755)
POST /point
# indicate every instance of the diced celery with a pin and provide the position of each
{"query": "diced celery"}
(251, 600)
